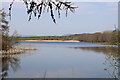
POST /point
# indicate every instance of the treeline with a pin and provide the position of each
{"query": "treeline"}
(47, 38)
(107, 36)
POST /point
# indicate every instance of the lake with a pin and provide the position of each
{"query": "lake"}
(64, 60)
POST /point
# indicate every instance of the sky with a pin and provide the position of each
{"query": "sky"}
(89, 17)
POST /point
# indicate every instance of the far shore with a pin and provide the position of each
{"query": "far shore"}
(52, 40)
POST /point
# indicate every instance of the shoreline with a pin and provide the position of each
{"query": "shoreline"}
(51, 40)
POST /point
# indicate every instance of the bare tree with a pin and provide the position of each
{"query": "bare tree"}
(4, 28)
(6, 40)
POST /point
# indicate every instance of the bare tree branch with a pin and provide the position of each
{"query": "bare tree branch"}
(37, 7)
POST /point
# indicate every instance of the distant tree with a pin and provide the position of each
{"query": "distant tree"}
(36, 7)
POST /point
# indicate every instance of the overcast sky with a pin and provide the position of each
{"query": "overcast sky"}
(89, 17)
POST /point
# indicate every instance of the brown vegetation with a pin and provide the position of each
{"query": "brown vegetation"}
(102, 37)
(5, 39)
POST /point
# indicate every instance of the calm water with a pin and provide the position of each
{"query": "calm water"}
(64, 60)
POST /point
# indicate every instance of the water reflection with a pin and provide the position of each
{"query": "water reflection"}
(112, 59)
(9, 63)
(42, 60)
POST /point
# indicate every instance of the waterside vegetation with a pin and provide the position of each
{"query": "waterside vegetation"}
(111, 37)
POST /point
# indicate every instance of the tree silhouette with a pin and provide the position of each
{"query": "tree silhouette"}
(36, 7)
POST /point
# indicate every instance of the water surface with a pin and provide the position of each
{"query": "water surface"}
(64, 60)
